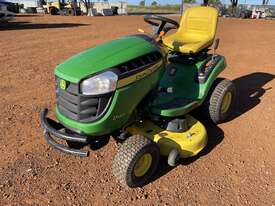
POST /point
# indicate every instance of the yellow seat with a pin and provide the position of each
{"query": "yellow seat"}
(196, 32)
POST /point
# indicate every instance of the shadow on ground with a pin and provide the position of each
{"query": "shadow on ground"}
(28, 25)
(29, 15)
(249, 90)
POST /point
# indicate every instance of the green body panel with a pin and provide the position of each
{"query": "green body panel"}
(103, 57)
(204, 88)
(127, 97)
(123, 104)
(184, 87)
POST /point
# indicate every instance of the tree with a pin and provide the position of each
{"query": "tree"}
(234, 3)
(142, 3)
(205, 2)
(154, 3)
(215, 2)
(87, 4)
(189, 1)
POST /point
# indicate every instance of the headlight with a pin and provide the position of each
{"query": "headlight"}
(99, 84)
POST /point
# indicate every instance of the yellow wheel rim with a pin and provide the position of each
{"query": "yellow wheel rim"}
(226, 102)
(143, 165)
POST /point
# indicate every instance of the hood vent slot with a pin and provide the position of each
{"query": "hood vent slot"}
(138, 64)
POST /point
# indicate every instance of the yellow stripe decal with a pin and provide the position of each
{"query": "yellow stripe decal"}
(138, 76)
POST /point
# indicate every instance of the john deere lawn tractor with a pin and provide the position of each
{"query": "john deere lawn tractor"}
(140, 90)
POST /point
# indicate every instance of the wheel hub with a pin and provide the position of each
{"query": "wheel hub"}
(143, 164)
(226, 102)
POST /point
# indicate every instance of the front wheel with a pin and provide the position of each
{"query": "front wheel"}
(136, 161)
(220, 100)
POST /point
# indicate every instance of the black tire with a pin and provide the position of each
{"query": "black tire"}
(69, 12)
(53, 11)
(173, 158)
(212, 106)
(129, 153)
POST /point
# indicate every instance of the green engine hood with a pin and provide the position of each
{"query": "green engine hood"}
(103, 57)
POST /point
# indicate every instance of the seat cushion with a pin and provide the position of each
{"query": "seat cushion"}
(187, 45)
(196, 32)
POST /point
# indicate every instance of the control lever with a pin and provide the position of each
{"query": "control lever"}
(157, 37)
(216, 46)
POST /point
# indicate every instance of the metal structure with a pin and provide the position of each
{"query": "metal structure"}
(55, 7)
(5, 14)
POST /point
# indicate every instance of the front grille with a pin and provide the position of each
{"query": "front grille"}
(80, 107)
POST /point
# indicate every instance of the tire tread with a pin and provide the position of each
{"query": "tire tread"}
(125, 155)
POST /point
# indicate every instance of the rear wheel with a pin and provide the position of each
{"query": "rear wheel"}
(69, 12)
(53, 11)
(136, 161)
(220, 100)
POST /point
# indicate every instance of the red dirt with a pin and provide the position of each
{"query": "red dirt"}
(237, 168)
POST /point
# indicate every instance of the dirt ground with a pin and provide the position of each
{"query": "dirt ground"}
(237, 167)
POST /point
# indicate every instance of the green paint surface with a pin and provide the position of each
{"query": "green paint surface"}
(123, 105)
(127, 98)
(184, 87)
(103, 57)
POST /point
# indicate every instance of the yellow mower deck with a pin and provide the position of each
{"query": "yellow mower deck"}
(188, 143)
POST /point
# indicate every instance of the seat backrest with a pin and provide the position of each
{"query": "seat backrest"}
(199, 21)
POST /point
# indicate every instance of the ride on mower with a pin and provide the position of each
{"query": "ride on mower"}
(140, 90)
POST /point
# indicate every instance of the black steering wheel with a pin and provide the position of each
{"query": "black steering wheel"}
(160, 22)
